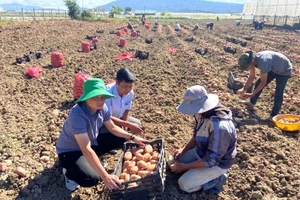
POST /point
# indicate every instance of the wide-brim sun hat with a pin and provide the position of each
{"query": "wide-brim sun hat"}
(94, 87)
(197, 100)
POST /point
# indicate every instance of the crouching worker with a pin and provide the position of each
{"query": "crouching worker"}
(209, 25)
(196, 27)
(177, 26)
(120, 106)
(209, 154)
(80, 143)
(272, 65)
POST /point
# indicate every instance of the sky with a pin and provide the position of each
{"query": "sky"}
(84, 3)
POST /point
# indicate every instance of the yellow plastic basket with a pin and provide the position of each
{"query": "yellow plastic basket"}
(287, 122)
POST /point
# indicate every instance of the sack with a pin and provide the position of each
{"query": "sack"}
(95, 40)
(141, 54)
(34, 72)
(80, 78)
(134, 33)
(57, 59)
(85, 47)
(122, 42)
(118, 33)
(124, 56)
(147, 26)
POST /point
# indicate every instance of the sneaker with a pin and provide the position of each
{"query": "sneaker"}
(71, 185)
(221, 180)
(103, 163)
(113, 152)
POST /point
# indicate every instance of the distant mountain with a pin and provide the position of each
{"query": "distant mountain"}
(17, 6)
(177, 6)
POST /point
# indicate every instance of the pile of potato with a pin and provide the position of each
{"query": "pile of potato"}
(289, 120)
(138, 163)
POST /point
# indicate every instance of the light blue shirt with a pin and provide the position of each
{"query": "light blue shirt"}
(81, 120)
(118, 105)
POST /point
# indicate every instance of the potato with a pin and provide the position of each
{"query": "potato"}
(126, 164)
(148, 148)
(122, 176)
(134, 158)
(125, 170)
(8, 162)
(128, 156)
(135, 177)
(128, 150)
(155, 156)
(171, 160)
(21, 171)
(127, 177)
(143, 173)
(153, 161)
(139, 156)
(134, 170)
(132, 185)
(138, 151)
(147, 157)
(151, 167)
(3, 167)
(142, 164)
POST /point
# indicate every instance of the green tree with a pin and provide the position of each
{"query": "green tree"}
(86, 14)
(115, 10)
(73, 8)
(165, 13)
(127, 10)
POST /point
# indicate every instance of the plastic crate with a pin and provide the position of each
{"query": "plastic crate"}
(149, 187)
(235, 85)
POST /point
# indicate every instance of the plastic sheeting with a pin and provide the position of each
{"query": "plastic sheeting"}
(278, 7)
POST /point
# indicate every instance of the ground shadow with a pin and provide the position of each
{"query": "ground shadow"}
(67, 105)
(48, 67)
(172, 190)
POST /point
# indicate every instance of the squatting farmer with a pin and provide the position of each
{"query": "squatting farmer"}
(211, 151)
(272, 65)
(121, 105)
(80, 144)
(209, 25)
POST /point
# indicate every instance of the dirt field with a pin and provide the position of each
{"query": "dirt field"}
(268, 160)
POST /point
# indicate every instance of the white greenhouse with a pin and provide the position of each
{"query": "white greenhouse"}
(278, 7)
(274, 11)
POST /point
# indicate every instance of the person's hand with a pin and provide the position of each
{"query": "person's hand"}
(140, 141)
(178, 167)
(135, 128)
(112, 182)
(240, 91)
(177, 153)
(247, 95)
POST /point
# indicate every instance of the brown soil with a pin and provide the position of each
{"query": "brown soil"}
(268, 160)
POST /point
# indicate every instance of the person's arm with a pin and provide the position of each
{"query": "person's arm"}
(119, 132)
(134, 128)
(125, 115)
(83, 141)
(191, 144)
(250, 78)
(263, 82)
(120, 122)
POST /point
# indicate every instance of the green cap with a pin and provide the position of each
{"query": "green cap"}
(244, 61)
(94, 87)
